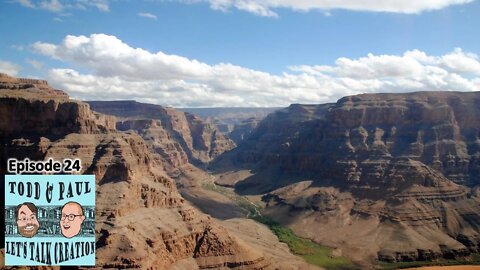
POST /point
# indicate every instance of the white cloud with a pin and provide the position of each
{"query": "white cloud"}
(102, 5)
(44, 48)
(26, 3)
(35, 64)
(147, 15)
(118, 71)
(461, 62)
(17, 47)
(134, 63)
(377, 66)
(9, 68)
(254, 7)
(62, 5)
(52, 5)
(268, 7)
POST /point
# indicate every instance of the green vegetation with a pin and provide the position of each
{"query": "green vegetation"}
(250, 208)
(312, 252)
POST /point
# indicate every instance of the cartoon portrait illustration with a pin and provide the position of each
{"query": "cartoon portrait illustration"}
(72, 219)
(27, 223)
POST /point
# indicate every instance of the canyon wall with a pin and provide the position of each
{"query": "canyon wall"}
(141, 219)
(179, 137)
(397, 169)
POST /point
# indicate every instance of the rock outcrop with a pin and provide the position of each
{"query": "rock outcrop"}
(141, 220)
(401, 166)
(439, 129)
(159, 140)
(178, 136)
(32, 85)
(32, 107)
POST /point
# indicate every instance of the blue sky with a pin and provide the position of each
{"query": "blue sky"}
(242, 53)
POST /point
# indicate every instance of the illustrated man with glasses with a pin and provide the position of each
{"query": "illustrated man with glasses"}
(72, 219)
(27, 223)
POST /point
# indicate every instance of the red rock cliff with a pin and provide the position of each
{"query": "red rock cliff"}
(142, 221)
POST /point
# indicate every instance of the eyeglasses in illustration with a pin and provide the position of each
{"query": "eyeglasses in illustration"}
(72, 219)
(27, 223)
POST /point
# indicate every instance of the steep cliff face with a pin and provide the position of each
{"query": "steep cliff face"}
(266, 143)
(36, 108)
(161, 142)
(441, 130)
(142, 221)
(200, 142)
(235, 122)
(242, 130)
(400, 165)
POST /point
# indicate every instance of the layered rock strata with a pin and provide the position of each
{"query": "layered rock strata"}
(179, 137)
(402, 165)
(142, 221)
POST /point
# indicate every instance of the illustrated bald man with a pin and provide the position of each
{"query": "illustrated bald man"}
(72, 219)
(27, 223)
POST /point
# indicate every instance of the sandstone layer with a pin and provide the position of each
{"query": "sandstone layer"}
(179, 137)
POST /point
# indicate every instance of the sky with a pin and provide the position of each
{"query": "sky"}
(241, 53)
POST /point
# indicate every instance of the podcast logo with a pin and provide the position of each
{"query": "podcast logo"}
(49, 220)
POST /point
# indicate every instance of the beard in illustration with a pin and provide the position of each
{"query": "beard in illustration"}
(27, 223)
(29, 230)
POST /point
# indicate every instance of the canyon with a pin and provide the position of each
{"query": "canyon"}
(389, 177)
(179, 137)
(235, 122)
(142, 221)
(377, 177)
